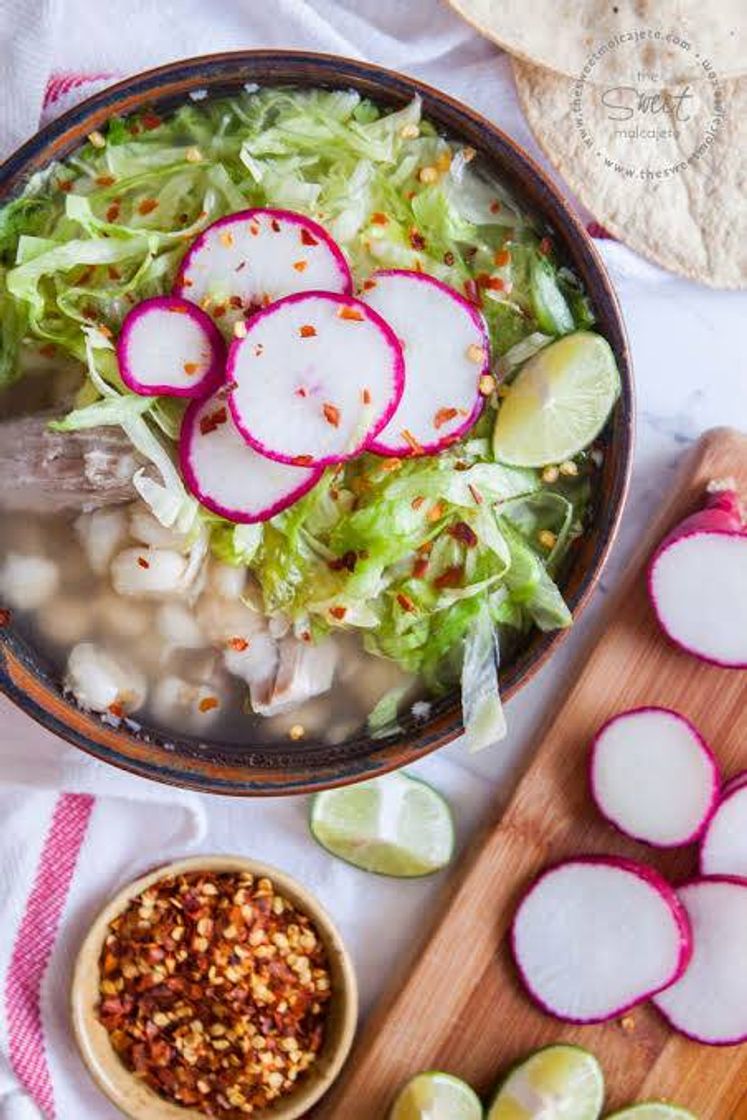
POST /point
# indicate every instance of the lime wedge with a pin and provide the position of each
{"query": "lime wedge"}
(558, 403)
(652, 1110)
(393, 825)
(565, 1082)
(436, 1096)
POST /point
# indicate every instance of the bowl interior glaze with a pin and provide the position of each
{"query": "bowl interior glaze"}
(270, 768)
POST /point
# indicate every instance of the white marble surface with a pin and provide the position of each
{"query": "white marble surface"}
(688, 354)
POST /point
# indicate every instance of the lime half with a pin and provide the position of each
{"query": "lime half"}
(394, 825)
(436, 1096)
(558, 403)
(565, 1082)
(652, 1110)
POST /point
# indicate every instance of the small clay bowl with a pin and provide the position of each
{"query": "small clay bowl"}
(134, 1098)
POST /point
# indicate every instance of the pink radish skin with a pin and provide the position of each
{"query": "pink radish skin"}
(708, 1003)
(160, 340)
(582, 926)
(247, 260)
(702, 607)
(650, 763)
(316, 375)
(230, 478)
(724, 847)
(439, 330)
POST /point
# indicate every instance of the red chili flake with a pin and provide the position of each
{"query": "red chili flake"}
(425, 549)
(472, 292)
(449, 257)
(48, 350)
(436, 512)
(463, 532)
(191, 368)
(338, 612)
(502, 258)
(258, 350)
(391, 465)
(301, 391)
(65, 184)
(307, 331)
(116, 709)
(417, 502)
(495, 284)
(301, 460)
(405, 602)
(366, 396)
(416, 239)
(89, 313)
(213, 420)
(308, 238)
(103, 329)
(545, 246)
(300, 266)
(344, 563)
(334, 493)
(475, 494)
(420, 567)
(148, 205)
(177, 309)
(275, 225)
(379, 219)
(443, 416)
(331, 414)
(495, 206)
(239, 644)
(418, 267)
(150, 120)
(134, 128)
(368, 285)
(236, 302)
(114, 273)
(254, 229)
(4, 616)
(219, 311)
(352, 314)
(143, 562)
(188, 283)
(105, 180)
(208, 703)
(85, 276)
(239, 266)
(411, 441)
(305, 636)
(452, 577)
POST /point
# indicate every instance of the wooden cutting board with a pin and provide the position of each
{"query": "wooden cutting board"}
(457, 1004)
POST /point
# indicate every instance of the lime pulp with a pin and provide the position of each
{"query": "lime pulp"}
(436, 1096)
(565, 1082)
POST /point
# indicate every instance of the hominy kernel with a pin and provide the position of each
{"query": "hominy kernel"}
(550, 474)
(428, 174)
(297, 731)
(475, 353)
(487, 385)
(193, 155)
(547, 538)
(410, 132)
(97, 139)
(569, 468)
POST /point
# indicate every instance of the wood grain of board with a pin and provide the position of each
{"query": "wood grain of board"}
(457, 1005)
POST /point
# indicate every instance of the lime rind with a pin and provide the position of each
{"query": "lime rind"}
(434, 1094)
(565, 1078)
(653, 1110)
(396, 826)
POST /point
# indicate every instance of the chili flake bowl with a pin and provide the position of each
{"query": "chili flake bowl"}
(263, 767)
(131, 1095)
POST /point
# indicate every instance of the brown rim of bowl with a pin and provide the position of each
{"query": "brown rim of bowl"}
(135, 1099)
(271, 769)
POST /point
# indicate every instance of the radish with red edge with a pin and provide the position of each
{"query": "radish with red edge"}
(724, 847)
(168, 347)
(594, 936)
(447, 352)
(709, 1001)
(247, 260)
(698, 583)
(314, 378)
(654, 777)
(227, 476)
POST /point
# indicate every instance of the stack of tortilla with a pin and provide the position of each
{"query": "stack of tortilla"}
(642, 107)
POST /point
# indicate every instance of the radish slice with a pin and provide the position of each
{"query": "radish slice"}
(709, 1002)
(594, 936)
(724, 847)
(654, 777)
(247, 260)
(168, 347)
(228, 477)
(316, 375)
(698, 583)
(447, 351)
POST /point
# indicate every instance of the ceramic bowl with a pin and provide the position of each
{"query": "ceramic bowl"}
(268, 767)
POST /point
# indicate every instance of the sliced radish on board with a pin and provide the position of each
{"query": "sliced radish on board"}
(229, 477)
(654, 777)
(724, 847)
(247, 260)
(594, 936)
(447, 352)
(698, 583)
(709, 1002)
(315, 377)
(169, 347)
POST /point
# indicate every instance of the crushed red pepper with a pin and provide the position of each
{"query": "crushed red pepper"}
(213, 420)
(308, 238)
(214, 990)
(463, 532)
(452, 577)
